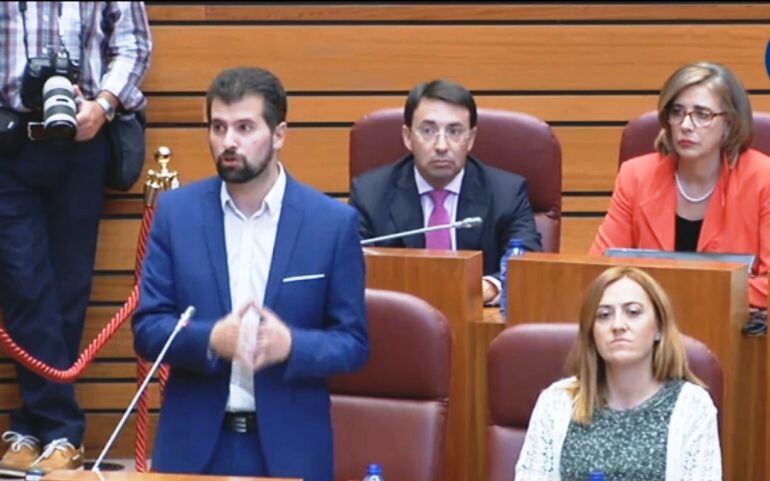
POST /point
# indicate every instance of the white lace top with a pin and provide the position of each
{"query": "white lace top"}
(692, 449)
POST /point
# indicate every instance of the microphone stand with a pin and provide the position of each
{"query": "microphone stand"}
(460, 224)
(183, 320)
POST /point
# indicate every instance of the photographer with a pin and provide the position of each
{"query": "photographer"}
(65, 69)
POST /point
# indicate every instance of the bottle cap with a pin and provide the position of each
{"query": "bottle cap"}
(516, 242)
(596, 476)
(373, 469)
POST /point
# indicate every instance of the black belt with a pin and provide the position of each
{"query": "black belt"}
(240, 422)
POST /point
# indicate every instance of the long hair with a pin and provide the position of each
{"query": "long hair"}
(669, 359)
(731, 94)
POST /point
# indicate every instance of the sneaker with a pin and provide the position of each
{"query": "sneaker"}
(21, 454)
(60, 454)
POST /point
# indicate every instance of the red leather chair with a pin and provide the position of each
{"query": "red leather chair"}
(394, 410)
(511, 141)
(640, 133)
(525, 359)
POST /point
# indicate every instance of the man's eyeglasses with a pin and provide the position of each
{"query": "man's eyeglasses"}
(453, 133)
(701, 118)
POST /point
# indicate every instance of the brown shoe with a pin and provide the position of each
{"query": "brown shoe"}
(21, 454)
(60, 454)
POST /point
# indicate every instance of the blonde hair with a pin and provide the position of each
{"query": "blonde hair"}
(669, 359)
(733, 97)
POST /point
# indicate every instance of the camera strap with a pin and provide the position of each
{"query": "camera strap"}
(23, 10)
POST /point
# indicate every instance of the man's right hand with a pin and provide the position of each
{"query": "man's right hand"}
(224, 336)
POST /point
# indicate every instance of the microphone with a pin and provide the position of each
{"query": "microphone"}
(466, 223)
(183, 320)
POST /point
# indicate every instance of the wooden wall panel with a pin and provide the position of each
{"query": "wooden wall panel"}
(490, 57)
(452, 12)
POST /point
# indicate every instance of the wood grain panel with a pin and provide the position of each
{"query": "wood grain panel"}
(112, 288)
(91, 395)
(577, 233)
(551, 108)
(122, 242)
(453, 12)
(585, 204)
(556, 57)
(589, 157)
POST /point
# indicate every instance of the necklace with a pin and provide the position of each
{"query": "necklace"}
(694, 200)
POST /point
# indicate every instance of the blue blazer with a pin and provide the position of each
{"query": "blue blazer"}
(186, 264)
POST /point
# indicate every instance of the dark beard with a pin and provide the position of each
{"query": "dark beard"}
(241, 175)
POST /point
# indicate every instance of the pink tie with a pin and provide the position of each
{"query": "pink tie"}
(438, 239)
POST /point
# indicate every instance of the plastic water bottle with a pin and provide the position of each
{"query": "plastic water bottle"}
(515, 248)
(373, 473)
(596, 476)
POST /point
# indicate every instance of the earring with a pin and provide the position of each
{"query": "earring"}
(657, 336)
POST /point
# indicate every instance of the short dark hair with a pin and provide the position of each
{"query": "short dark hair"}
(233, 84)
(440, 89)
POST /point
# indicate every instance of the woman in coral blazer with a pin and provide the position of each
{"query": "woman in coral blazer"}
(704, 190)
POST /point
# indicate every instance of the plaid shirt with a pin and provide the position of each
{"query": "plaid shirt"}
(110, 39)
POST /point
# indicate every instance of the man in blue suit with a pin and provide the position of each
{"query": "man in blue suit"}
(276, 273)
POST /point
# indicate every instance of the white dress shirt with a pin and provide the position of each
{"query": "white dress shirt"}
(249, 242)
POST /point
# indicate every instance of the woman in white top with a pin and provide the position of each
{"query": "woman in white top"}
(633, 409)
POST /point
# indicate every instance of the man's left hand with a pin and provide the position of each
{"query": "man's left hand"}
(489, 293)
(273, 340)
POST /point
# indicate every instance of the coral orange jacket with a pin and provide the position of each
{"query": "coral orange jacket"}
(643, 209)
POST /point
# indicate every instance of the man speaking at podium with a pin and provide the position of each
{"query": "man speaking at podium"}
(276, 273)
(439, 183)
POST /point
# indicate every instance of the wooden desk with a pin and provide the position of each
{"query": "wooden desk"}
(451, 282)
(710, 302)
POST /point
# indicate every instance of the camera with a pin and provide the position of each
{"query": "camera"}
(48, 85)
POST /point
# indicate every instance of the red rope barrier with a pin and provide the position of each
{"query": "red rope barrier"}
(86, 357)
(68, 375)
(143, 405)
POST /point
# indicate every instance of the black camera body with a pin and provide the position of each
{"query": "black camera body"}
(39, 69)
(48, 85)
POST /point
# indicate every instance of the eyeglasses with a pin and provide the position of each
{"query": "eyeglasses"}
(701, 118)
(453, 133)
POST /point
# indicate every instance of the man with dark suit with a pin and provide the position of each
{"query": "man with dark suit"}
(276, 273)
(439, 183)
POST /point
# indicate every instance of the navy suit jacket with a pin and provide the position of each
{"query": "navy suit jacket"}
(388, 202)
(186, 264)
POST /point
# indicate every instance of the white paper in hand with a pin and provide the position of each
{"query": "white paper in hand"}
(247, 338)
(242, 379)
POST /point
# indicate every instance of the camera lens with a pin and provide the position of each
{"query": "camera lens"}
(59, 108)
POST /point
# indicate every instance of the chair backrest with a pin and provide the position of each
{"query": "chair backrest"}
(525, 359)
(640, 133)
(394, 410)
(511, 141)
